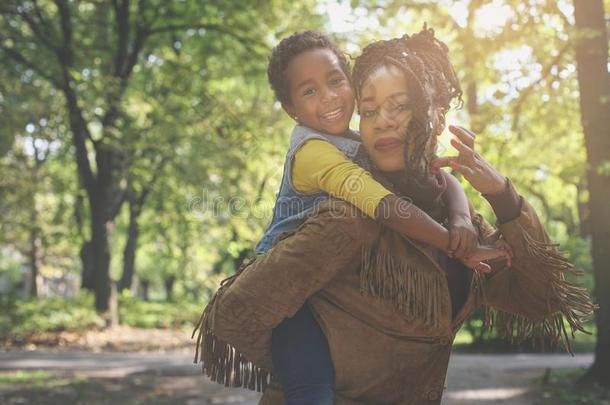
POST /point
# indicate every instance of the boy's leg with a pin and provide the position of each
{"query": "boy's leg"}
(301, 358)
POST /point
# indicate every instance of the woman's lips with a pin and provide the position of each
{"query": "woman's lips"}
(387, 144)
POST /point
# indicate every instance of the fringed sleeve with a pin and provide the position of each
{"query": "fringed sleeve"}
(533, 299)
(234, 341)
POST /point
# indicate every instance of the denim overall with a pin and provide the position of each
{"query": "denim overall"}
(292, 207)
(300, 352)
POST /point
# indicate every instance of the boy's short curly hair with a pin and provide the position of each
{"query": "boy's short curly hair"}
(288, 49)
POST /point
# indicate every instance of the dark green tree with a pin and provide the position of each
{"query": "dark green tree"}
(591, 40)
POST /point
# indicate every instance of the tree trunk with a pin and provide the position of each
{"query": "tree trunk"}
(593, 80)
(169, 282)
(86, 258)
(129, 253)
(95, 253)
(144, 286)
(34, 254)
(100, 255)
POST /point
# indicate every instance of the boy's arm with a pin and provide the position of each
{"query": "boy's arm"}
(462, 235)
(318, 165)
(405, 217)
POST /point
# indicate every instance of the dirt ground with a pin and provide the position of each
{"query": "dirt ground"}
(135, 367)
(171, 378)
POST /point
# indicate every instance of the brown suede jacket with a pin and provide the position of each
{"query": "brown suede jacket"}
(383, 303)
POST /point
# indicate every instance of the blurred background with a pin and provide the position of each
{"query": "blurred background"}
(141, 149)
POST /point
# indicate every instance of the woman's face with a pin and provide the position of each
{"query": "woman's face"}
(385, 114)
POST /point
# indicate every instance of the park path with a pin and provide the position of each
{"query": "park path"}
(480, 379)
(506, 379)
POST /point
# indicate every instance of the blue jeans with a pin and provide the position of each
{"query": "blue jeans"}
(301, 360)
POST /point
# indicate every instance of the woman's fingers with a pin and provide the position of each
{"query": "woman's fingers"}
(472, 134)
(465, 150)
(465, 170)
(465, 135)
(442, 162)
(453, 163)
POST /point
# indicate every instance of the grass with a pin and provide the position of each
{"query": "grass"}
(561, 387)
(36, 378)
(138, 389)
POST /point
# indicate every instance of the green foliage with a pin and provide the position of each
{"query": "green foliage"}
(25, 318)
(145, 314)
(49, 315)
(10, 275)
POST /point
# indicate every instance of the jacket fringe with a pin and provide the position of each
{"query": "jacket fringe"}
(415, 292)
(574, 304)
(220, 361)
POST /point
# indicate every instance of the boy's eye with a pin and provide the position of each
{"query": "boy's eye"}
(309, 92)
(336, 81)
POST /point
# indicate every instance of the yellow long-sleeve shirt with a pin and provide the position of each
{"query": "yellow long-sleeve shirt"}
(320, 166)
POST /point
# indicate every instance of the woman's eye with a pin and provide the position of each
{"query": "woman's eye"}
(368, 113)
(404, 107)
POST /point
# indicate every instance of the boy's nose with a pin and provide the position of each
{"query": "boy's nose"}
(329, 95)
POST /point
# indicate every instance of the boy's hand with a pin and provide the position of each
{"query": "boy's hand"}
(462, 237)
(495, 239)
(481, 253)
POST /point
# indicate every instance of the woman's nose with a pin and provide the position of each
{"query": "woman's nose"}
(386, 120)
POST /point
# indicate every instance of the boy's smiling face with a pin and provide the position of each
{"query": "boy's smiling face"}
(320, 93)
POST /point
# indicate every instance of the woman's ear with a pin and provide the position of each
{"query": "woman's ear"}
(290, 110)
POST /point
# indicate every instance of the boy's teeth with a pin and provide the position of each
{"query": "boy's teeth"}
(332, 114)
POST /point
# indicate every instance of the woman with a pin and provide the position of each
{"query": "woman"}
(390, 307)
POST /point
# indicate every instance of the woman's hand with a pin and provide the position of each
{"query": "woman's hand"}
(479, 173)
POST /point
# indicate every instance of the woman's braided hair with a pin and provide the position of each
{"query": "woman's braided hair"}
(431, 79)
(423, 54)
